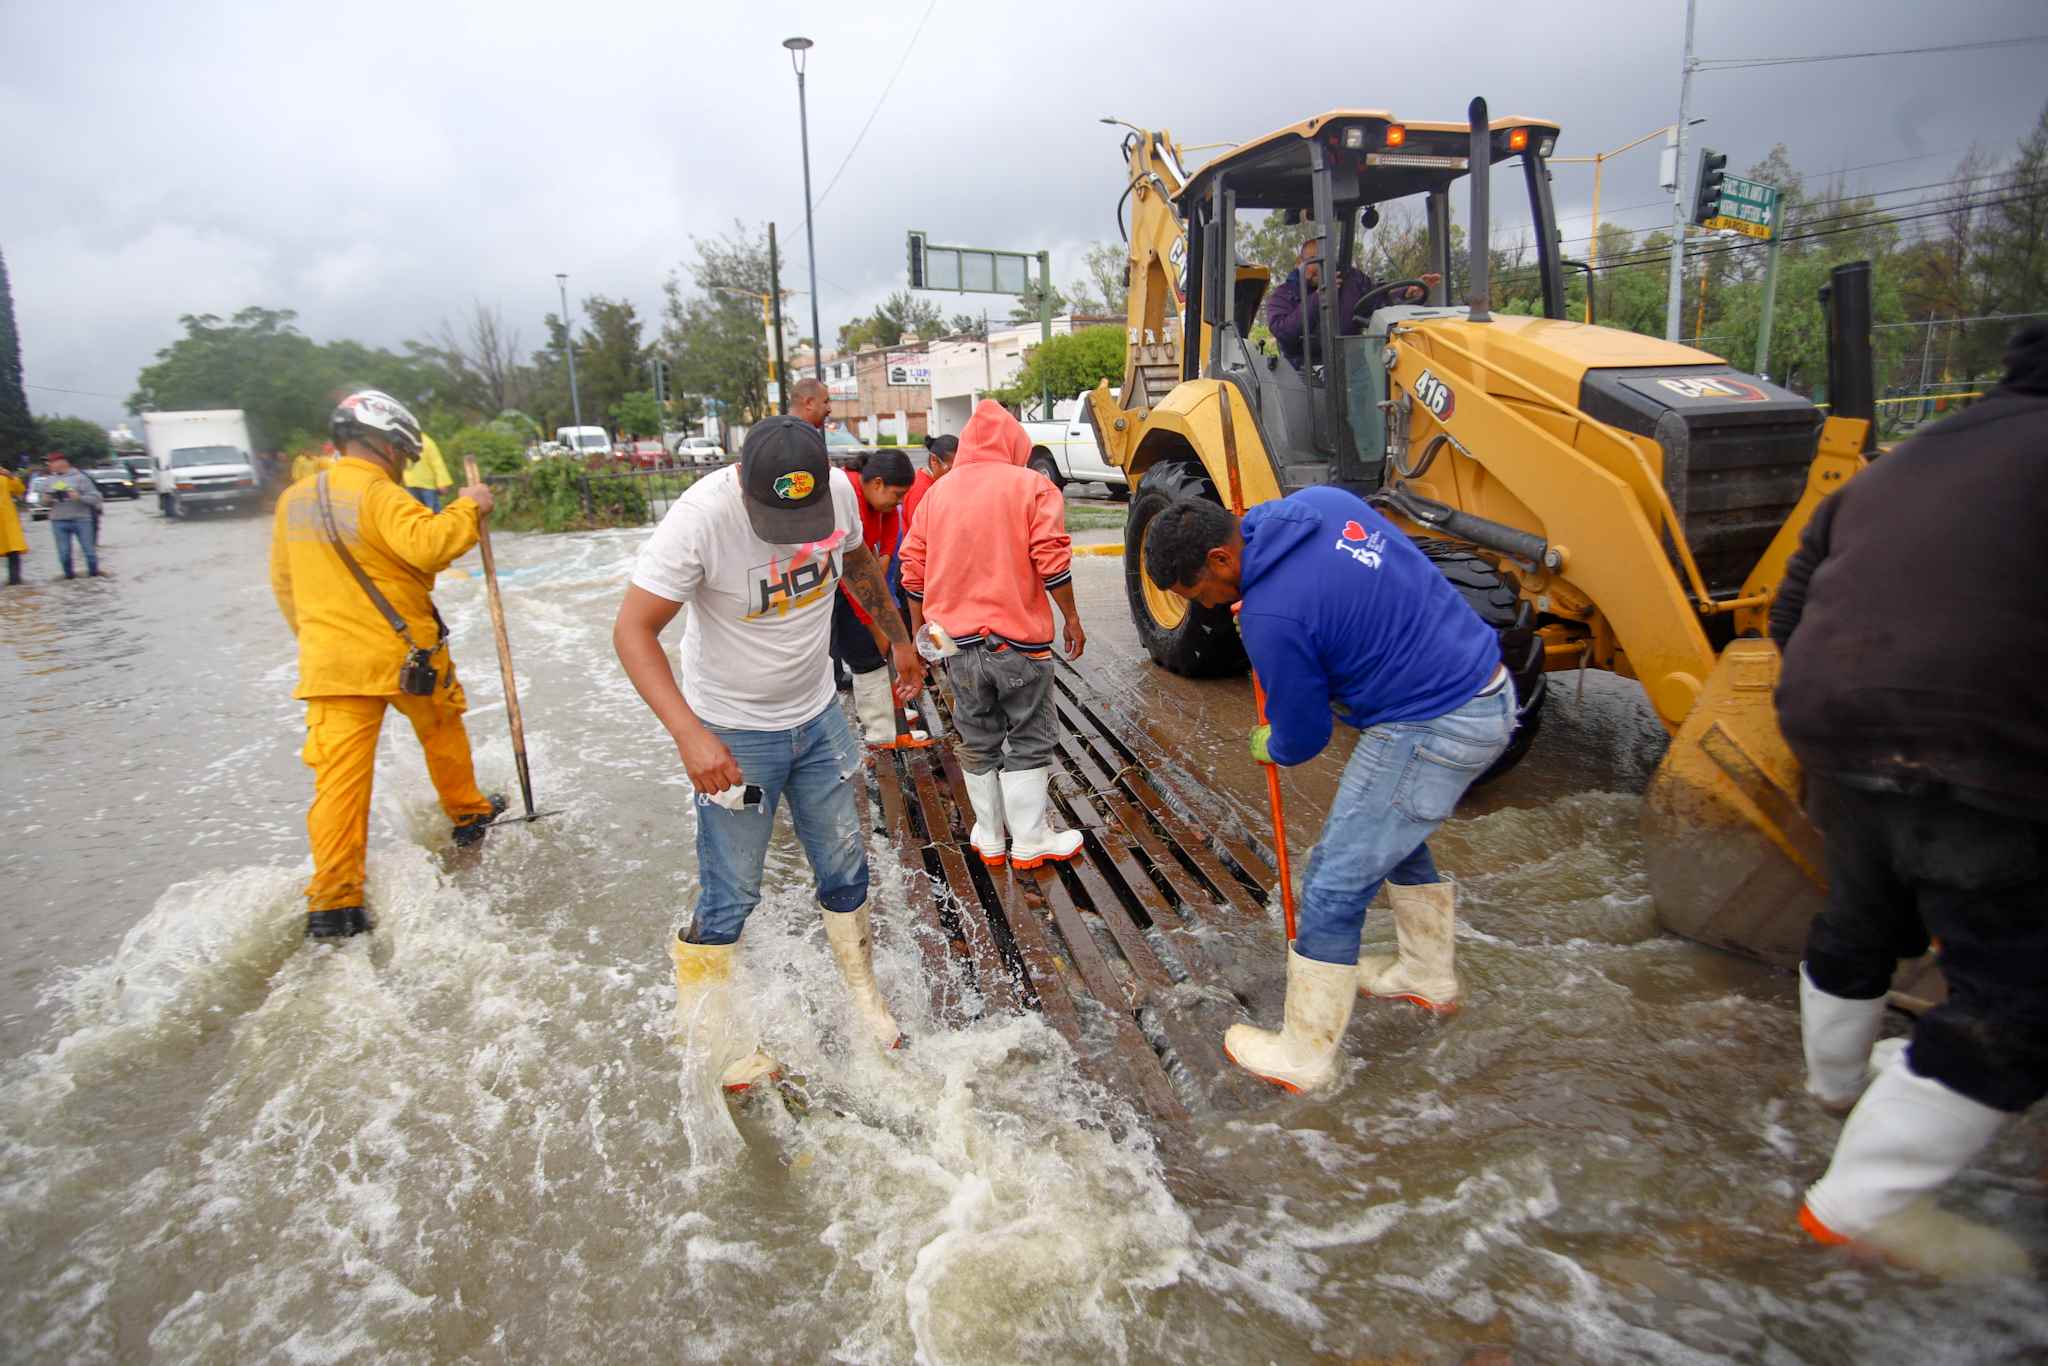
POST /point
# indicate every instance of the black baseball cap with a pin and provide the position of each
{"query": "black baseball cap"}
(785, 482)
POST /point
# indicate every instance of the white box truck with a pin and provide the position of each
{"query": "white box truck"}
(587, 442)
(201, 460)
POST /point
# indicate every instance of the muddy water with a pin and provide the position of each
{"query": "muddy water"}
(474, 1140)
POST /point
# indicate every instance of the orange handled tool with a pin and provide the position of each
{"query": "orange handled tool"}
(1258, 691)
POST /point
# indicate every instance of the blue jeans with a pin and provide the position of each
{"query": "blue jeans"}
(1402, 782)
(430, 499)
(69, 529)
(816, 766)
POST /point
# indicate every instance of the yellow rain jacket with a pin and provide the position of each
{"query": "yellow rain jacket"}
(11, 542)
(346, 648)
(430, 471)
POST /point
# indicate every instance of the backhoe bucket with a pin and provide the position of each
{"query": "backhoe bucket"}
(1733, 860)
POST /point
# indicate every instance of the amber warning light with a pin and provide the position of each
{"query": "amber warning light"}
(1518, 139)
(1396, 135)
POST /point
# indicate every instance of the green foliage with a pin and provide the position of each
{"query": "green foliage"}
(259, 362)
(496, 451)
(610, 361)
(637, 414)
(885, 438)
(1026, 308)
(559, 494)
(17, 424)
(898, 315)
(715, 339)
(1067, 365)
(85, 442)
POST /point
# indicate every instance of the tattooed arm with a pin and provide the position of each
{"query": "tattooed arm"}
(861, 573)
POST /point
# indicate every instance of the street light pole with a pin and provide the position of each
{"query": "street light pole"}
(797, 48)
(1674, 298)
(569, 348)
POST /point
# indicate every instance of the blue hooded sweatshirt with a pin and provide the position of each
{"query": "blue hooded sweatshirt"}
(1342, 614)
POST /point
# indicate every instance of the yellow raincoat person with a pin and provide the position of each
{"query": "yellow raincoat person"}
(351, 658)
(427, 477)
(12, 543)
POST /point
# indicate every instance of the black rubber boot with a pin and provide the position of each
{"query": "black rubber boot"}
(470, 830)
(341, 922)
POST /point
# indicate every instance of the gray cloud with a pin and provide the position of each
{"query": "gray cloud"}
(377, 166)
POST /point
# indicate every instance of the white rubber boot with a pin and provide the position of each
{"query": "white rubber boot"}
(985, 794)
(874, 702)
(847, 932)
(1838, 1033)
(1303, 1055)
(1906, 1138)
(1426, 928)
(704, 1014)
(1032, 839)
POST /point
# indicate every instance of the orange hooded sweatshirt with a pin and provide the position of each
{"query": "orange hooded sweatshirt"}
(990, 539)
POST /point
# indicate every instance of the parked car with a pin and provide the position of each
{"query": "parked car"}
(114, 480)
(699, 450)
(1064, 449)
(843, 448)
(139, 470)
(645, 455)
(585, 441)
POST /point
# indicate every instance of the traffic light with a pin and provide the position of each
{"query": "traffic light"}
(1706, 194)
(917, 260)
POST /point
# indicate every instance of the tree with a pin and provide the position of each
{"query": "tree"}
(17, 424)
(480, 360)
(2011, 253)
(1067, 365)
(716, 338)
(610, 361)
(1108, 266)
(1026, 307)
(898, 316)
(496, 451)
(637, 414)
(85, 442)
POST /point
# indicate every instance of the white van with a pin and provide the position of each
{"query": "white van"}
(584, 441)
(201, 460)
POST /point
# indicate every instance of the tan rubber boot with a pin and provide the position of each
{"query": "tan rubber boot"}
(985, 795)
(1032, 839)
(1426, 928)
(847, 932)
(1906, 1138)
(874, 702)
(704, 1014)
(1303, 1055)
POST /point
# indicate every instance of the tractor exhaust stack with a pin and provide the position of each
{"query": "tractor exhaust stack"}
(1477, 232)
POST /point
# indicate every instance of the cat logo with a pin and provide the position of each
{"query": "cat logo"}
(1436, 396)
(1713, 387)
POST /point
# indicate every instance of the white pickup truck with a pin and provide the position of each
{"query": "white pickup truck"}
(1064, 449)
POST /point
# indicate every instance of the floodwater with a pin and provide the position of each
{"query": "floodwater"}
(475, 1139)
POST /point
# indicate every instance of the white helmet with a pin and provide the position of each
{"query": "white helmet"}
(374, 416)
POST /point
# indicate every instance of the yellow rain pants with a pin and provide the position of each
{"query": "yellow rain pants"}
(341, 749)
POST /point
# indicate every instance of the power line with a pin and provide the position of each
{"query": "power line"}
(1740, 63)
(1665, 202)
(51, 388)
(881, 99)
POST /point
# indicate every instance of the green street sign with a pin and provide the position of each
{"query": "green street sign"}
(1748, 201)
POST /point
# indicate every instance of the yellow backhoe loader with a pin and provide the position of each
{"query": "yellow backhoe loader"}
(1604, 499)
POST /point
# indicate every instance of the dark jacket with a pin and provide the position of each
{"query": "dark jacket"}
(1912, 617)
(1293, 325)
(1342, 614)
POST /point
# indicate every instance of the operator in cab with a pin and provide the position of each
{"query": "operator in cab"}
(1294, 310)
(1343, 617)
(352, 559)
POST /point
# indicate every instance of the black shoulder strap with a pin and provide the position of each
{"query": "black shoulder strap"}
(377, 599)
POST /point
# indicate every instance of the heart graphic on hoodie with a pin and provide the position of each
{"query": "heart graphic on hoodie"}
(1353, 532)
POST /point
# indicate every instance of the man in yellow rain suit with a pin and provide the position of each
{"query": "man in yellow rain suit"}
(427, 478)
(12, 543)
(353, 659)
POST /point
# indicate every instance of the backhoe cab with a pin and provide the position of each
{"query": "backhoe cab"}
(1603, 499)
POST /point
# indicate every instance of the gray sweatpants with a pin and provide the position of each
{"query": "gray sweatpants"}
(1001, 695)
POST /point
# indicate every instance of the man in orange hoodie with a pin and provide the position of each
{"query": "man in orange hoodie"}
(988, 545)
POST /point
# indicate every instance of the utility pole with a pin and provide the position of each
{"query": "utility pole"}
(569, 348)
(988, 374)
(1674, 298)
(1045, 329)
(775, 293)
(660, 406)
(1763, 328)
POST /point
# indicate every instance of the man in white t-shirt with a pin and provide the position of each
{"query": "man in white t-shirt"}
(758, 551)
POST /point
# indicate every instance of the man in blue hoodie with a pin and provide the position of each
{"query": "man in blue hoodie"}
(1342, 616)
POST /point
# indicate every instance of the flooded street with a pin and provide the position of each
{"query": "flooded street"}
(474, 1138)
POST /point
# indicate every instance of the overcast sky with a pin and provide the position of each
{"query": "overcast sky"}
(378, 166)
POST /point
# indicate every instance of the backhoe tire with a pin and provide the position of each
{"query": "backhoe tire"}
(1521, 649)
(1043, 463)
(1182, 637)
